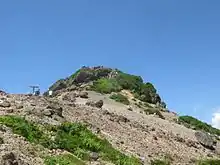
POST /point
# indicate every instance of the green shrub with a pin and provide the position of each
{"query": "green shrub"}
(148, 88)
(120, 98)
(209, 162)
(146, 93)
(73, 136)
(198, 125)
(160, 162)
(24, 128)
(104, 85)
(128, 81)
(66, 159)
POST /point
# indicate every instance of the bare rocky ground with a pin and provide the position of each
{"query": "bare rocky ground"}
(131, 131)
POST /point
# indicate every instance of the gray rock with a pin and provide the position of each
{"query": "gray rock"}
(5, 104)
(94, 156)
(83, 94)
(58, 118)
(129, 108)
(55, 109)
(70, 97)
(205, 139)
(99, 104)
(9, 159)
(72, 88)
(3, 128)
(9, 110)
(122, 119)
(19, 106)
(47, 112)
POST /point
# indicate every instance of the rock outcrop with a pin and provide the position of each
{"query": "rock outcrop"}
(205, 139)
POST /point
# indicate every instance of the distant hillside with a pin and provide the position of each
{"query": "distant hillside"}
(108, 80)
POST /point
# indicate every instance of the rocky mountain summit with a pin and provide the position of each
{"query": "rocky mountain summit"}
(107, 80)
(101, 116)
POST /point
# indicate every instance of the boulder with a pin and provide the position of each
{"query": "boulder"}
(10, 110)
(72, 88)
(191, 143)
(94, 156)
(9, 159)
(97, 104)
(129, 108)
(122, 119)
(58, 118)
(5, 104)
(83, 94)
(47, 112)
(19, 106)
(155, 98)
(205, 139)
(55, 109)
(70, 97)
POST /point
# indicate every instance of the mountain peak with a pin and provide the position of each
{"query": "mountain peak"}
(107, 80)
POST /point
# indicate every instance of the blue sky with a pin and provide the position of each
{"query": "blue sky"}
(173, 44)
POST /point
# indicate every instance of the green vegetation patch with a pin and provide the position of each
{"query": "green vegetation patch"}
(209, 162)
(105, 85)
(72, 137)
(24, 128)
(120, 98)
(128, 81)
(160, 162)
(66, 159)
(144, 91)
(190, 121)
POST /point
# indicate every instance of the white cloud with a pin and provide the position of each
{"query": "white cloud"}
(216, 119)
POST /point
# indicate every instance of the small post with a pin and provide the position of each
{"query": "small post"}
(34, 91)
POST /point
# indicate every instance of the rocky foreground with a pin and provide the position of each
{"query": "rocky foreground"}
(146, 137)
(78, 126)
